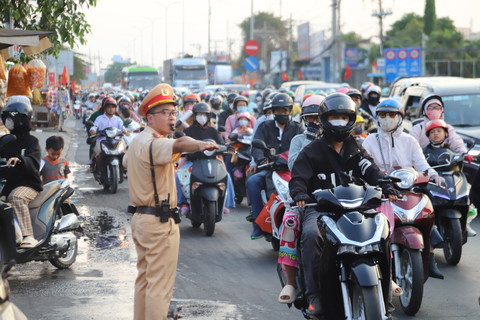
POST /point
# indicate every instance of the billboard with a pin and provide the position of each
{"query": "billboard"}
(355, 57)
(303, 41)
(402, 62)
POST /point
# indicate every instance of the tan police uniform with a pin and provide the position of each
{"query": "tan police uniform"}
(156, 243)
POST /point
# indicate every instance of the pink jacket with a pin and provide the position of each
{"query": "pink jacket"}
(231, 124)
(454, 141)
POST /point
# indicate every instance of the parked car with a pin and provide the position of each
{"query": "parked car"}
(461, 98)
(322, 87)
(401, 84)
(293, 85)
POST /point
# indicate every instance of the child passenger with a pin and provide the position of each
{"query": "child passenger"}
(53, 167)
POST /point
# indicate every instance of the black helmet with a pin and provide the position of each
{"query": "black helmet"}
(21, 113)
(268, 102)
(353, 93)
(216, 102)
(430, 98)
(231, 97)
(238, 99)
(282, 100)
(266, 93)
(202, 107)
(337, 103)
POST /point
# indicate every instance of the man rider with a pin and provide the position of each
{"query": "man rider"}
(278, 134)
(314, 169)
(222, 117)
(23, 178)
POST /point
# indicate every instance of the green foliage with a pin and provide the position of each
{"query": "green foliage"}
(114, 72)
(429, 17)
(270, 32)
(353, 40)
(405, 32)
(79, 64)
(62, 16)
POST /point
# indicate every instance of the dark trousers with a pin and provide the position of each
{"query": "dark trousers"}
(311, 250)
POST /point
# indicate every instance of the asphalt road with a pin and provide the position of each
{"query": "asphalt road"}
(227, 276)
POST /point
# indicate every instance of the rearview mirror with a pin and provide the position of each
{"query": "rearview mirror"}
(7, 139)
(260, 144)
(233, 136)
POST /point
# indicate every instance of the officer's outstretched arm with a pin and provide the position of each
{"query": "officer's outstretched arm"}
(188, 144)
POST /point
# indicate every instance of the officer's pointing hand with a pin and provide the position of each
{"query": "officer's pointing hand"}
(210, 146)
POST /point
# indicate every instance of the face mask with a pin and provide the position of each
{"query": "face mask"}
(201, 119)
(230, 105)
(388, 124)
(312, 130)
(270, 117)
(282, 118)
(338, 123)
(434, 114)
(242, 122)
(9, 124)
(241, 109)
(373, 100)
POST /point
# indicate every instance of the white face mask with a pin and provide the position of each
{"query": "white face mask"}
(388, 124)
(242, 122)
(270, 117)
(9, 124)
(201, 119)
(338, 123)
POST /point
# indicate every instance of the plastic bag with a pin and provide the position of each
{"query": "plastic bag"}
(18, 84)
(37, 97)
(3, 75)
(37, 72)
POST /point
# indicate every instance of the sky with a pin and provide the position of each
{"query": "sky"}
(137, 28)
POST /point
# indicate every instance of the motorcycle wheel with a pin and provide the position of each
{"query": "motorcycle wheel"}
(365, 303)
(275, 244)
(113, 178)
(452, 244)
(196, 224)
(66, 261)
(238, 199)
(210, 211)
(411, 269)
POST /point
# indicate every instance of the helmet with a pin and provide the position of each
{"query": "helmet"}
(203, 95)
(238, 99)
(231, 97)
(266, 93)
(353, 93)
(245, 115)
(245, 93)
(268, 101)
(311, 104)
(108, 100)
(282, 100)
(192, 97)
(373, 94)
(343, 90)
(364, 87)
(435, 124)
(305, 97)
(16, 109)
(216, 102)
(391, 105)
(337, 103)
(428, 100)
(124, 100)
(202, 107)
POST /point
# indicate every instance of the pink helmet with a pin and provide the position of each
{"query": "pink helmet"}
(311, 104)
(343, 90)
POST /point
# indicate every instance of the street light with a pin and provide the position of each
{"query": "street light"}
(166, 24)
(140, 30)
(152, 21)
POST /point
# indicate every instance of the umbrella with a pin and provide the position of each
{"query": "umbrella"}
(31, 41)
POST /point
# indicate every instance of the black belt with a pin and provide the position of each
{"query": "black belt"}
(163, 214)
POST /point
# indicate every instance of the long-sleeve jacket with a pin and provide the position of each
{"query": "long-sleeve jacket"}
(314, 170)
(399, 149)
(454, 140)
(26, 173)
(269, 132)
(296, 145)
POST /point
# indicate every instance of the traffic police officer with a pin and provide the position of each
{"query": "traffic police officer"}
(155, 230)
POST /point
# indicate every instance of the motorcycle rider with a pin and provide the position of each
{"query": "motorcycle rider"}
(216, 104)
(107, 120)
(126, 103)
(372, 100)
(266, 110)
(432, 109)
(222, 117)
(277, 134)
(287, 255)
(240, 105)
(23, 181)
(390, 147)
(315, 169)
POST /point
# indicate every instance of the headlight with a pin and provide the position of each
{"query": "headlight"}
(407, 176)
(221, 186)
(111, 133)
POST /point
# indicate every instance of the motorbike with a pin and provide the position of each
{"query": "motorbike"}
(241, 159)
(77, 108)
(8, 310)
(451, 201)
(355, 269)
(207, 189)
(134, 128)
(54, 221)
(276, 196)
(110, 173)
(411, 238)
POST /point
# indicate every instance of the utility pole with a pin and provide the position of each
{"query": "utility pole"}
(209, 16)
(251, 20)
(380, 14)
(334, 41)
(290, 47)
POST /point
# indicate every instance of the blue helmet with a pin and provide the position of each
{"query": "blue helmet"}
(391, 105)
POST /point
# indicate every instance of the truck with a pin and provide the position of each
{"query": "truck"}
(140, 77)
(186, 72)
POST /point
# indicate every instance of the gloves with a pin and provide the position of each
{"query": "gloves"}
(388, 189)
(469, 158)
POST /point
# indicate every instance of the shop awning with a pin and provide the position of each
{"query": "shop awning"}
(31, 41)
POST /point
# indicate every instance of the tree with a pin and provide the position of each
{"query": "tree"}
(405, 32)
(62, 16)
(114, 72)
(79, 65)
(429, 17)
(270, 31)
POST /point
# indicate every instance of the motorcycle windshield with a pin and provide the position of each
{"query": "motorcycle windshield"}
(357, 227)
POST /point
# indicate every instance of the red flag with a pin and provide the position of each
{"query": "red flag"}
(348, 72)
(65, 77)
(375, 67)
(284, 76)
(300, 75)
(74, 87)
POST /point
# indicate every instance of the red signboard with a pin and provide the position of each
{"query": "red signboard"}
(251, 47)
(51, 79)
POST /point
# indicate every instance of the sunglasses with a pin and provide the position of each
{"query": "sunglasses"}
(166, 113)
(383, 114)
(434, 108)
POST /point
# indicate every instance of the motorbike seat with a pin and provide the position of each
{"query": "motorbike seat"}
(48, 190)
